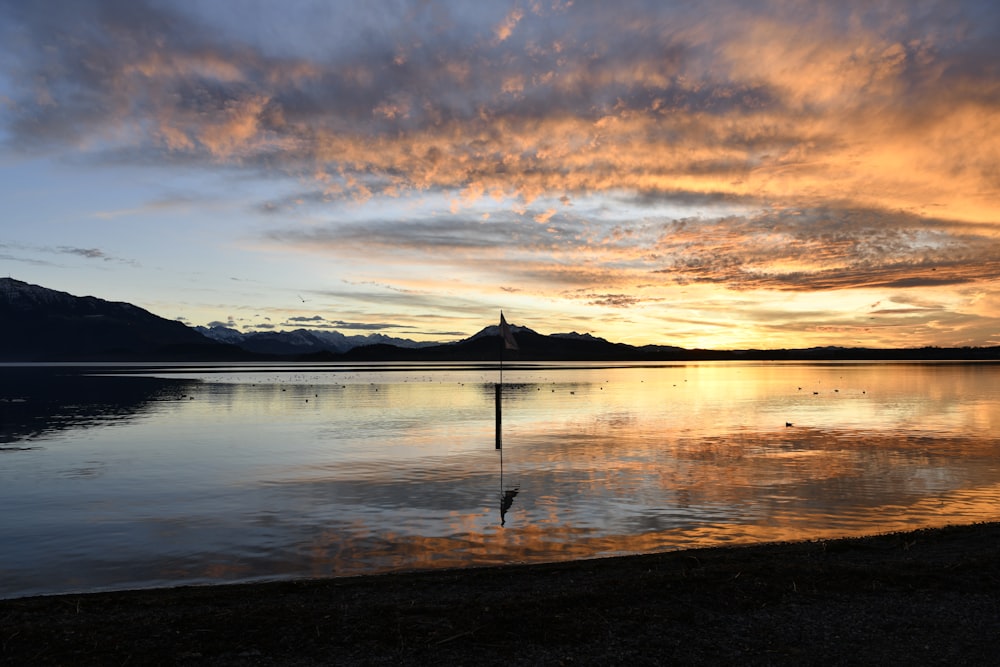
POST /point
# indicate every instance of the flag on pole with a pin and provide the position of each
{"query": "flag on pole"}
(508, 338)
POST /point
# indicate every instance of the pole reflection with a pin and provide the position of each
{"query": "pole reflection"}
(507, 493)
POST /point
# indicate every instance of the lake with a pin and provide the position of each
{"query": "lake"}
(132, 476)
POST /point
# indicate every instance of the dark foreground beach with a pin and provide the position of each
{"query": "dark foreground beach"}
(926, 597)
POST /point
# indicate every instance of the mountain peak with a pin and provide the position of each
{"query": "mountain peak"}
(42, 324)
(494, 330)
(19, 293)
(579, 336)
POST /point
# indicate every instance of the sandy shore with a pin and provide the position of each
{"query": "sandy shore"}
(927, 597)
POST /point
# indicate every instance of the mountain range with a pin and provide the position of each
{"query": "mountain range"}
(300, 341)
(39, 324)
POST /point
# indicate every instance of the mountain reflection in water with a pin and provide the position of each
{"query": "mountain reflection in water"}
(134, 477)
(38, 401)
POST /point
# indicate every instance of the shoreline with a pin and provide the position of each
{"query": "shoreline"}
(930, 595)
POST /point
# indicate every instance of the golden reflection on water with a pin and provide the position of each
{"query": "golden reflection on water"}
(330, 554)
(332, 471)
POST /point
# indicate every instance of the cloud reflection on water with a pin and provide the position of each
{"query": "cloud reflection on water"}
(243, 477)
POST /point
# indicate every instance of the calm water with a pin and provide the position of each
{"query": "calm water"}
(129, 477)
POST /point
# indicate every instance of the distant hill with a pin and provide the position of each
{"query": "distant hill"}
(486, 345)
(41, 324)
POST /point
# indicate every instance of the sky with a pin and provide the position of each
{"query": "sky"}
(705, 174)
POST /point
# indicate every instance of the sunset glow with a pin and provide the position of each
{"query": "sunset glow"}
(715, 175)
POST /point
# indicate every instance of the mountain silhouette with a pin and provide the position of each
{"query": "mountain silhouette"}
(41, 324)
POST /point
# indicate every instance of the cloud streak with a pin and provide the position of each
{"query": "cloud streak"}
(84, 253)
(802, 250)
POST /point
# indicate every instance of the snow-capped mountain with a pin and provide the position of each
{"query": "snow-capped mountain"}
(301, 341)
(41, 324)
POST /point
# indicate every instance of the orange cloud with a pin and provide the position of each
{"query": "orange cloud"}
(506, 27)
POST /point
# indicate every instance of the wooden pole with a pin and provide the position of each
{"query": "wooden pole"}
(498, 390)
(499, 386)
